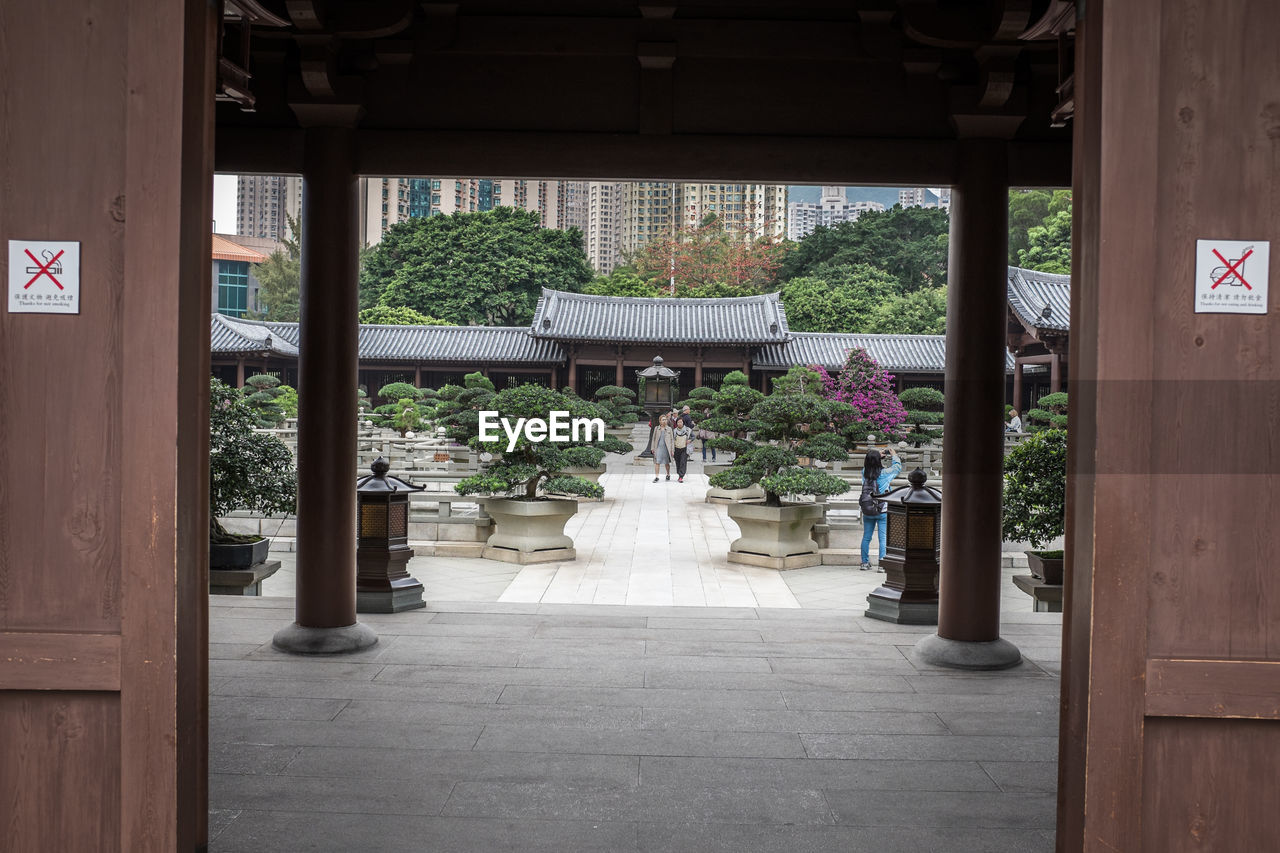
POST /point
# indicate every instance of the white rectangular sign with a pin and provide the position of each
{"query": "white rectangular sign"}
(1231, 276)
(44, 277)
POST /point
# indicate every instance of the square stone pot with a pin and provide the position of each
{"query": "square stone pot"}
(238, 555)
(530, 531)
(1047, 570)
(778, 537)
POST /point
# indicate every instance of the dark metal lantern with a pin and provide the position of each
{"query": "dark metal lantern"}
(660, 384)
(909, 594)
(383, 584)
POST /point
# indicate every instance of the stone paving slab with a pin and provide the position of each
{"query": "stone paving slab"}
(532, 726)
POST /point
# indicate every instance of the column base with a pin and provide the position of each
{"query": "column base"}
(299, 640)
(887, 605)
(959, 654)
(390, 600)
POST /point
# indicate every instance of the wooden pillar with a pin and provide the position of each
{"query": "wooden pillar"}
(104, 528)
(969, 587)
(697, 369)
(1017, 384)
(328, 362)
(417, 375)
(572, 384)
(240, 372)
(1055, 373)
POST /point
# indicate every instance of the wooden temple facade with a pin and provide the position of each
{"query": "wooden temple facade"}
(1162, 116)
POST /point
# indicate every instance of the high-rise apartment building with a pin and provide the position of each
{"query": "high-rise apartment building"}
(831, 209)
(387, 201)
(912, 197)
(262, 202)
(606, 204)
(925, 197)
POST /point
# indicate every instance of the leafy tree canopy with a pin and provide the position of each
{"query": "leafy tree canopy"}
(837, 298)
(247, 469)
(280, 280)
(1029, 209)
(623, 281)
(707, 260)
(908, 243)
(484, 268)
(921, 312)
(385, 315)
(1049, 245)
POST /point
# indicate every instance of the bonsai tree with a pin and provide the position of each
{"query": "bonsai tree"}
(865, 386)
(796, 422)
(396, 391)
(530, 466)
(1035, 490)
(731, 415)
(798, 380)
(407, 417)
(616, 405)
(262, 391)
(924, 406)
(288, 401)
(1050, 412)
(460, 406)
(247, 470)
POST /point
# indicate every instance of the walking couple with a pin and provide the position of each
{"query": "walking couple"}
(671, 439)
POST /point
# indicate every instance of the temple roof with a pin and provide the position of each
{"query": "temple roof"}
(232, 336)
(737, 321)
(461, 344)
(895, 353)
(1040, 300)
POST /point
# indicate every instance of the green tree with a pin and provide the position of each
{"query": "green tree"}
(623, 281)
(1029, 209)
(837, 298)
(262, 391)
(383, 315)
(247, 470)
(1035, 490)
(909, 244)
(707, 260)
(280, 280)
(922, 312)
(1049, 245)
(473, 268)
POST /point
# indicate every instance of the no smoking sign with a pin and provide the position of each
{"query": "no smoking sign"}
(1231, 276)
(44, 277)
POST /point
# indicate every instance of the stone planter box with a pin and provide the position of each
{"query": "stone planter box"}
(592, 474)
(530, 531)
(237, 555)
(1047, 570)
(776, 537)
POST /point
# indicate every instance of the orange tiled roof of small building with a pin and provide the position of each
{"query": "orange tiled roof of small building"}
(226, 250)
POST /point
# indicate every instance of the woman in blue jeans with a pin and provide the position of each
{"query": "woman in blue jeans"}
(874, 472)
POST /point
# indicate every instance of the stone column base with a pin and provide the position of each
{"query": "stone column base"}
(299, 640)
(958, 654)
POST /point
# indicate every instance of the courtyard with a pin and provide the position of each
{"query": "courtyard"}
(648, 696)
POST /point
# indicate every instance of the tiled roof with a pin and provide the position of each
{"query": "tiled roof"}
(734, 321)
(229, 335)
(1041, 300)
(895, 353)
(226, 250)
(460, 344)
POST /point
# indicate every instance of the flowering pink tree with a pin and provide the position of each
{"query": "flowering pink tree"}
(868, 389)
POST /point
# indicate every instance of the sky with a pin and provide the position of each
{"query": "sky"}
(224, 204)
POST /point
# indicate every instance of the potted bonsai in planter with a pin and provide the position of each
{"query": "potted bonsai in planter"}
(247, 471)
(1035, 499)
(777, 534)
(732, 422)
(924, 406)
(528, 522)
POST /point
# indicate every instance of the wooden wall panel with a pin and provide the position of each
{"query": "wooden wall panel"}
(1172, 632)
(1216, 786)
(59, 772)
(60, 374)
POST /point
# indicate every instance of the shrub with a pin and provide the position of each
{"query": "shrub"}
(1050, 412)
(924, 406)
(795, 422)
(395, 391)
(529, 465)
(865, 386)
(262, 392)
(247, 470)
(616, 405)
(1035, 489)
(407, 416)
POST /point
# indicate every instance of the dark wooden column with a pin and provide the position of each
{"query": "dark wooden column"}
(619, 378)
(1017, 384)
(969, 587)
(1055, 373)
(327, 377)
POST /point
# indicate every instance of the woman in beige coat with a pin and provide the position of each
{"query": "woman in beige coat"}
(662, 446)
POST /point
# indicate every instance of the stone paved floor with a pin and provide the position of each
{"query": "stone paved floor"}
(521, 712)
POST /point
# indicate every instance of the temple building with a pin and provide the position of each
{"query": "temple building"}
(583, 342)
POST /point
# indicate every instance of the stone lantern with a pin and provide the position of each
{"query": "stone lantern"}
(659, 396)
(383, 584)
(909, 594)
